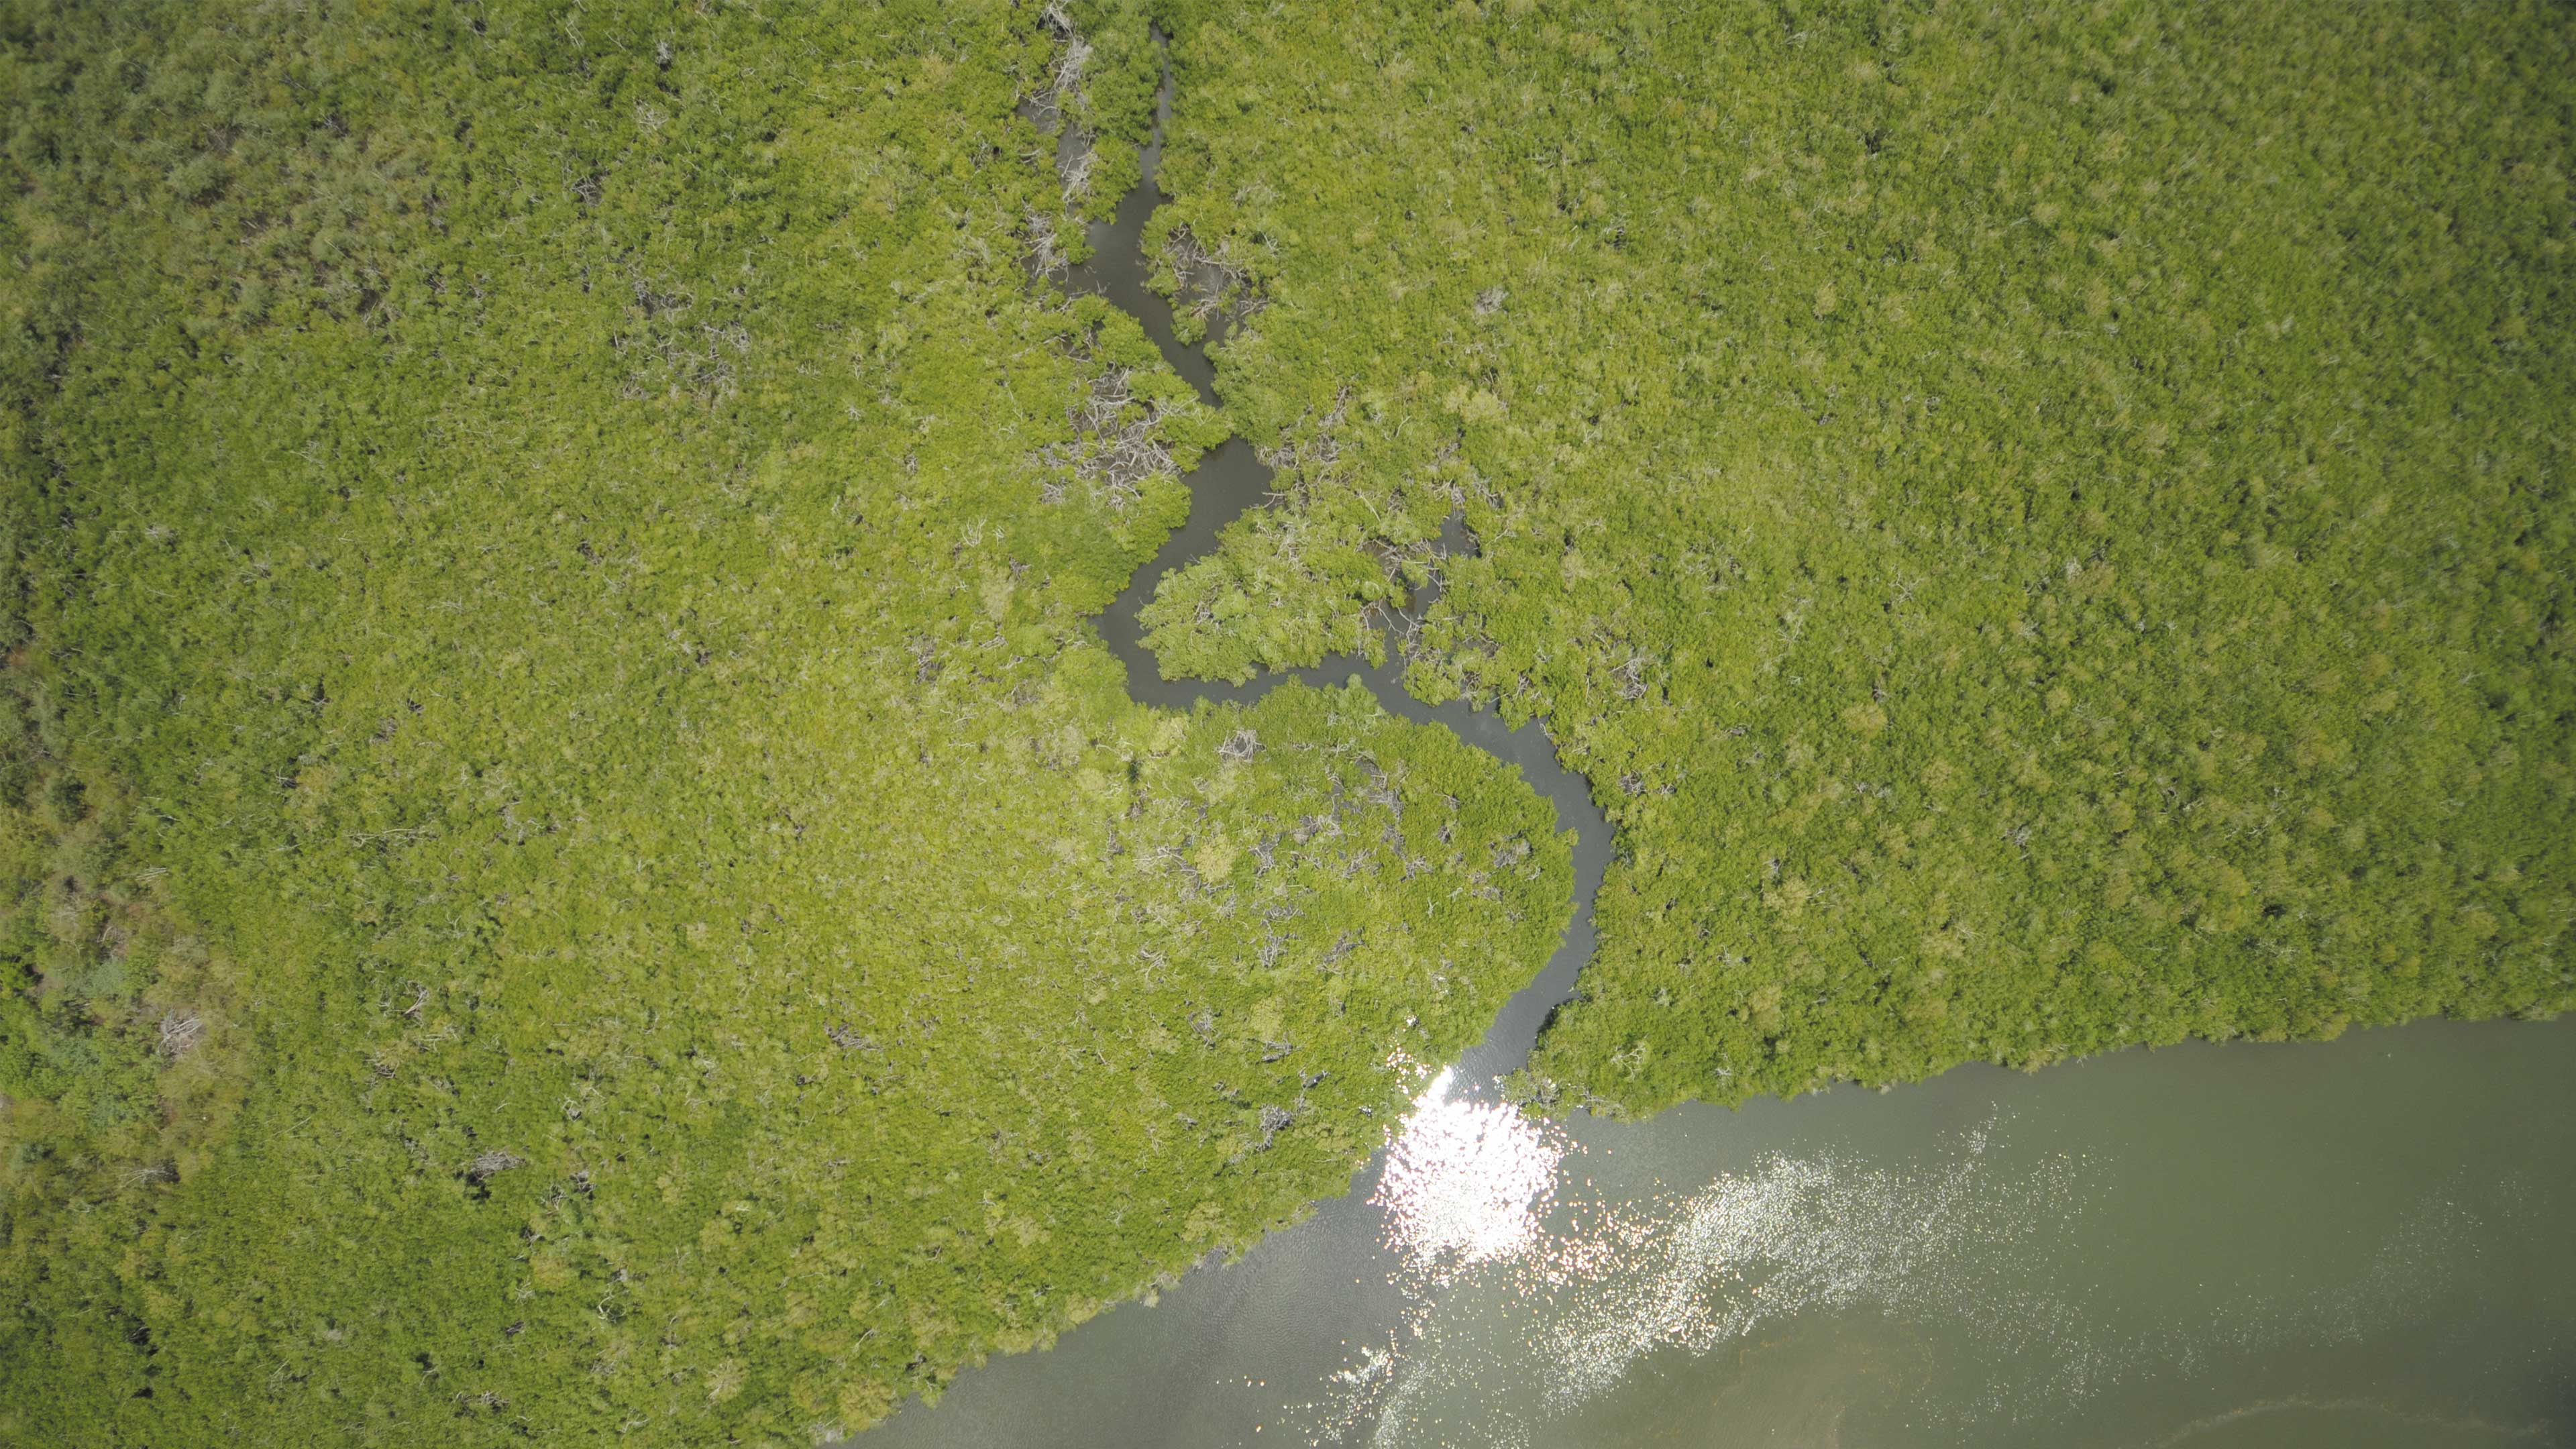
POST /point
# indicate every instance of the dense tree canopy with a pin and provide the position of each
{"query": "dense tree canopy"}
(576, 868)
(2046, 525)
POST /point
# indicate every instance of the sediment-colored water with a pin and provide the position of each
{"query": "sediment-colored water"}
(2359, 1242)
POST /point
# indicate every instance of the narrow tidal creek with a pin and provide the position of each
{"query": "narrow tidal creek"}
(1231, 479)
(2361, 1242)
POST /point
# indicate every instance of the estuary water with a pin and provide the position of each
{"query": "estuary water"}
(2362, 1242)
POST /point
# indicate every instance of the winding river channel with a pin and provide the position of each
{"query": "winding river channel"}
(2361, 1242)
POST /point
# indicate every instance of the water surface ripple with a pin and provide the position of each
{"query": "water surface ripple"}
(2356, 1243)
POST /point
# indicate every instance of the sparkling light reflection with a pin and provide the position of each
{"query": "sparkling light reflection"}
(1532, 1291)
(1466, 1181)
(1580, 1285)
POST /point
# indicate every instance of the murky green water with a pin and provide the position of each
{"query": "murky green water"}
(2365, 1242)
(2362, 1242)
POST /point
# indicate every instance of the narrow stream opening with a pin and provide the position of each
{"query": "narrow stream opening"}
(1231, 479)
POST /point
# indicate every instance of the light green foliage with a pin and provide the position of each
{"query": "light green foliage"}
(575, 869)
(2047, 526)
(1111, 104)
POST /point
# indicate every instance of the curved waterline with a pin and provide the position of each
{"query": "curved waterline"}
(1231, 479)
(2164, 1245)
